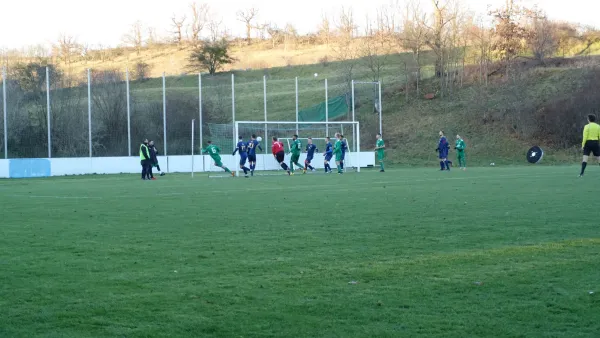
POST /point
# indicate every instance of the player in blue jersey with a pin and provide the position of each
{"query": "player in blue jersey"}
(242, 148)
(310, 154)
(328, 154)
(252, 145)
(443, 149)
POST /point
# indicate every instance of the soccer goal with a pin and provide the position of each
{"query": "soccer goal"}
(284, 131)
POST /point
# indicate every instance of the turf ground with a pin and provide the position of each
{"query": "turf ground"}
(492, 252)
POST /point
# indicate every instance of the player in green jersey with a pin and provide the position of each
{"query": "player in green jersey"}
(460, 152)
(380, 150)
(295, 150)
(337, 151)
(214, 152)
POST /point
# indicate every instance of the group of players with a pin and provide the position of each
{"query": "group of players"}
(247, 152)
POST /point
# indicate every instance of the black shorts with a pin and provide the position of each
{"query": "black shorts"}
(252, 158)
(280, 156)
(591, 147)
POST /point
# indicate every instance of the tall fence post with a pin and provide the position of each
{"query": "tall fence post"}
(380, 110)
(200, 106)
(326, 109)
(48, 113)
(5, 112)
(89, 79)
(265, 103)
(353, 116)
(233, 108)
(296, 105)
(128, 112)
(164, 84)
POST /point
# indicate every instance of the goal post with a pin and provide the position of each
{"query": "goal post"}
(366, 95)
(284, 130)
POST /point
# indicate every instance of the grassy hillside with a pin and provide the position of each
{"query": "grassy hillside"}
(499, 121)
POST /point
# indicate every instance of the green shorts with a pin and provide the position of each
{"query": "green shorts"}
(338, 157)
(380, 156)
(295, 158)
(217, 161)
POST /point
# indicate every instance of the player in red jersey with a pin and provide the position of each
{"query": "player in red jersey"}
(279, 154)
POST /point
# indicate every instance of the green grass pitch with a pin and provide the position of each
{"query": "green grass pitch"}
(491, 252)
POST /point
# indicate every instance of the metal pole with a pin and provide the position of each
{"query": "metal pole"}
(48, 116)
(380, 109)
(89, 78)
(164, 114)
(128, 114)
(5, 112)
(296, 105)
(233, 107)
(265, 102)
(200, 104)
(353, 116)
(358, 146)
(326, 109)
(193, 122)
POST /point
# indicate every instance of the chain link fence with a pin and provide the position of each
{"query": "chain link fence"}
(108, 113)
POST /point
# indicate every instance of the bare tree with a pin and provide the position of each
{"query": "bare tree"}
(152, 37)
(247, 17)
(290, 35)
(199, 20)
(276, 34)
(542, 38)
(325, 29)
(413, 36)
(216, 30)
(178, 26)
(346, 26)
(135, 37)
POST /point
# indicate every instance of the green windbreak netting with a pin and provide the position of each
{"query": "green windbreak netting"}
(338, 106)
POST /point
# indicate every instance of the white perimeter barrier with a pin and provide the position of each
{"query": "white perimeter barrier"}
(28, 168)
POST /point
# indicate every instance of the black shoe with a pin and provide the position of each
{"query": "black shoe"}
(381, 171)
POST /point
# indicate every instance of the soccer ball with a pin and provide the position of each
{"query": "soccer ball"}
(259, 139)
(316, 74)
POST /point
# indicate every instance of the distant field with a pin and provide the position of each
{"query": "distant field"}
(491, 252)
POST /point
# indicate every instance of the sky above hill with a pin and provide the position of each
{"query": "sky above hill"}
(32, 22)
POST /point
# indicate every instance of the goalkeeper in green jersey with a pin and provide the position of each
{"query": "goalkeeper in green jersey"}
(295, 150)
(460, 152)
(337, 151)
(380, 150)
(214, 152)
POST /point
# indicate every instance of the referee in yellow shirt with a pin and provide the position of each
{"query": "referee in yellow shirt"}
(591, 142)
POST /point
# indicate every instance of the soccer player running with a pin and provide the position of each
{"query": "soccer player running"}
(442, 149)
(242, 148)
(460, 147)
(279, 154)
(337, 151)
(252, 145)
(214, 152)
(295, 149)
(380, 149)
(310, 154)
(328, 155)
(591, 142)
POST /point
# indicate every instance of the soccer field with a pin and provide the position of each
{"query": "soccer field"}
(491, 252)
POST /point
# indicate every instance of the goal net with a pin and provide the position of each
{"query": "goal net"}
(284, 131)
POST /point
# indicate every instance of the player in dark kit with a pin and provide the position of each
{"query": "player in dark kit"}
(242, 148)
(591, 142)
(310, 154)
(279, 154)
(328, 154)
(442, 149)
(344, 149)
(252, 145)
